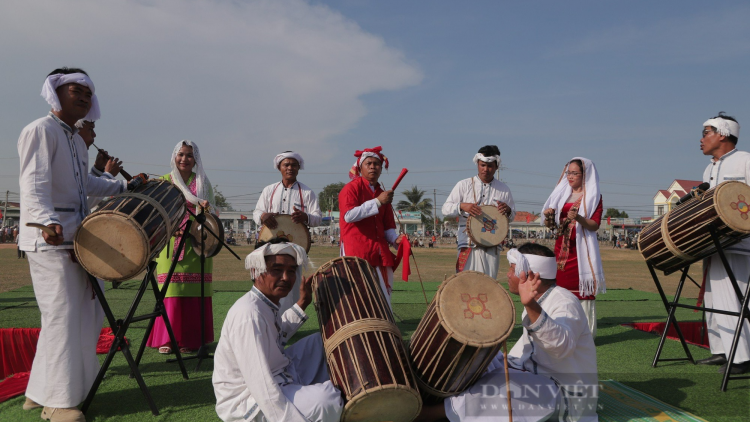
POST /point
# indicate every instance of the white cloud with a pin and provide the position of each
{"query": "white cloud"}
(242, 77)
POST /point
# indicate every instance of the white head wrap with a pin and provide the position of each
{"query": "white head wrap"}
(545, 266)
(255, 262)
(590, 271)
(724, 127)
(52, 82)
(289, 154)
(202, 184)
(480, 157)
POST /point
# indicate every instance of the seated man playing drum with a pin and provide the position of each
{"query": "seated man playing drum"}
(288, 197)
(556, 350)
(465, 200)
(254, 377)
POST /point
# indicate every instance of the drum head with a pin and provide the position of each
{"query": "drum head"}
(488, 229)
(111, 247)
(732, 200)
(395, 403)
(212, 244)
(294, 232)
(476, 309)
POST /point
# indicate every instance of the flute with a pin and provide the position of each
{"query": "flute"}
(124, 173)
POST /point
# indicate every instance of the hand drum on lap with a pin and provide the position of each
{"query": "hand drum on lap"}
(681, 236)
(489, 229)
(119, 240)
(294, 232)
(462, 331)
(366, 356)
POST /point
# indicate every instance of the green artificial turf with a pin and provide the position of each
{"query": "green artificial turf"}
(624, 355)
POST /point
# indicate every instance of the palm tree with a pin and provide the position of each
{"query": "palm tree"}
(416, 203)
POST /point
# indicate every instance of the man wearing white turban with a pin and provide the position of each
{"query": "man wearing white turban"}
(465, 200)
(54, 184)
(720, 136)
(254, 377)
(555, 356)
(289, 197)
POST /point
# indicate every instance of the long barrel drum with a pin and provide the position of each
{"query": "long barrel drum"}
(681, 236)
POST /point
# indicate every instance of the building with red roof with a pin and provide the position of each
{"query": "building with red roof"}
(665, 199)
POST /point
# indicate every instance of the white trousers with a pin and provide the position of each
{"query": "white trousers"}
(533, 398)
(65, 364)
(313, 394)
(589, 309)
(721, 295)
(484, 260)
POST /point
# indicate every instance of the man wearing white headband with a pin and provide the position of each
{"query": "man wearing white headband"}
(254, 377)
(720, 136)
(288, 197)
(465, 200)
(54, 184)
(555, 350)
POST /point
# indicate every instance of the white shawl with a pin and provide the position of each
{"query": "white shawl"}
(590, 271)
(202, 184)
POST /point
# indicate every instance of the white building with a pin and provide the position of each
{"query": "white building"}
(665, 199)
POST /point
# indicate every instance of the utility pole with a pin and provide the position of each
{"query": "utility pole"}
(434, 215)
(5, 210)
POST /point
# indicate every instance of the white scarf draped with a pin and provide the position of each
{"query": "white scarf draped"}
(52, 82)
(255, 262)
(590, 271)
(202, 184)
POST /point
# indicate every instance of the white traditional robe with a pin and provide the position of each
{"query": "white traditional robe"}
(286, 199)
(366, 210)
(54, 183)
(278, 199)
(473, 190)
(256, 379)
(559, 345)
(95, 201)
(732, 166)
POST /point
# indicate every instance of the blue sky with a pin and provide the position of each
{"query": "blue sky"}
(626, 84)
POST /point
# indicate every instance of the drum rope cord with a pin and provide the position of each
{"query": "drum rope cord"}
(671, 246)
(359, 327)
(157, 206)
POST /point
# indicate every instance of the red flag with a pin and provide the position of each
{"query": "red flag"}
(242, 217)
(528, 218)
(609, 221)
(404, 250)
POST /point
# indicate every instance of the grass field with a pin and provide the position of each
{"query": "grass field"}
(624, 355)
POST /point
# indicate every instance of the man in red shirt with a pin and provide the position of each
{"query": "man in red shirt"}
(367, 223)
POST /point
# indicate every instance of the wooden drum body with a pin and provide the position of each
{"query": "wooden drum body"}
(489, 229)
(294, 232)
(462, 331)
(119, 240)
(366, 356)
(681, 236)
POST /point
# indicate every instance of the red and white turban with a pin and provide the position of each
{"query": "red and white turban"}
(288, 154)
(361, 155)
(52, 82)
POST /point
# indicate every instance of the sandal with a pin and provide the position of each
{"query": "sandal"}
(165, 350)
(186, 350)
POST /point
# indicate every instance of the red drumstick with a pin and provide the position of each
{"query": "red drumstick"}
(400, 176)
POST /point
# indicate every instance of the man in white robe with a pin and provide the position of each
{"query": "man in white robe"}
(254, 377)
(288, 197)
(552, 367)
(465, 200)
(54, 184)
(720, 136)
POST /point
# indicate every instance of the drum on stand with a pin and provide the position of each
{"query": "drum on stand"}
(294, 232)
(366, 356)
(212, 244)
(119, 240)
(488, 229)
(681, 236)
(463, 330)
